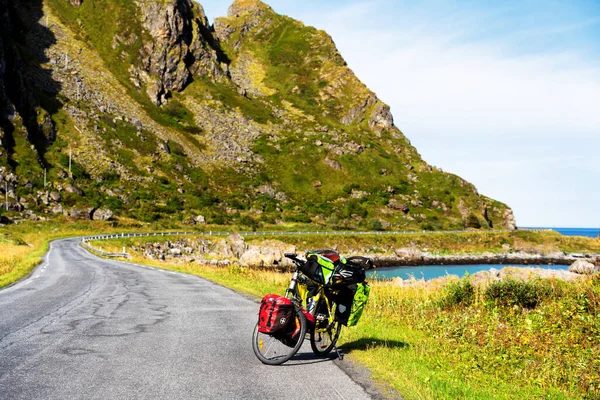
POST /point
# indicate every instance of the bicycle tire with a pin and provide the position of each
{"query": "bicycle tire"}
(272, 350)
(323, 340)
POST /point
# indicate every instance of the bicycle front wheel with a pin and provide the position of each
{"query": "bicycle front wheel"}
(322, 341)
(275, 349)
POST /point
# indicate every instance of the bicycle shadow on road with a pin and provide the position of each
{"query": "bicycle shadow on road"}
(308, 357)
(372, 343)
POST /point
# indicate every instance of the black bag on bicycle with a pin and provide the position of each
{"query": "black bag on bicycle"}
(351, 301)
(321, 264)
(348, 274)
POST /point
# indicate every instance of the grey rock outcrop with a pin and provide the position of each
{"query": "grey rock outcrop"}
(182, 45)
(381, 118)
(268, 254)
(583, 267)
(509, 221)
(233, 246)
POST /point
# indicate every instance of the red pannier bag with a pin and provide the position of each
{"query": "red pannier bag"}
(275, 313)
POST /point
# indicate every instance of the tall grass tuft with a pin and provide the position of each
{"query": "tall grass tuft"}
(512, 292)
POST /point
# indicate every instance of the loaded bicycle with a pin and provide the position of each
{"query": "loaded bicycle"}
(326, 291)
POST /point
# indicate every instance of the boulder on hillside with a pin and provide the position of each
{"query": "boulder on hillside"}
(73, 189)
(102, 214)
(582, 267)
(57, 209)
(396, 205)
(55, 197)
(83, 214)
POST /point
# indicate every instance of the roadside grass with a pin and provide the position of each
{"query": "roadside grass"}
(511, 340)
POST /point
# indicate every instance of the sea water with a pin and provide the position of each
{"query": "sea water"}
(586, 232)
(428, 272)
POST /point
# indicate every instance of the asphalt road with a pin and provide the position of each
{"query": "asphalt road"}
(86, 328)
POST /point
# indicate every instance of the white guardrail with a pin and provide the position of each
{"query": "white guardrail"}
(85, 240)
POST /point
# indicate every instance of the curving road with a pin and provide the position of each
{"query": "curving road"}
(82, 327)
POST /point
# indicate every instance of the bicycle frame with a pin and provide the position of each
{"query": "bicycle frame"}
(293, 289)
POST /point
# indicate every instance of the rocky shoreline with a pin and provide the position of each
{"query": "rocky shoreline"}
(486, 258)
(270, 254)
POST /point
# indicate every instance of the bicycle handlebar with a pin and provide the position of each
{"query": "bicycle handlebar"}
(362, 260)
(294, 258)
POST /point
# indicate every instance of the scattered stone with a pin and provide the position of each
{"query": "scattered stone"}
(333, 164)
(55, 197)
(583, 267)
(267, 190)
(69, 187)
(396, 205)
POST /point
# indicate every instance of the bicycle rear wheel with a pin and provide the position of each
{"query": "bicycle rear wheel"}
(279, 348)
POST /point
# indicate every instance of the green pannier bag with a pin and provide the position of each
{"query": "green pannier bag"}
(358, 303)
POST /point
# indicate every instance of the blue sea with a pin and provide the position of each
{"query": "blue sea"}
(588, 232)
(428, 272)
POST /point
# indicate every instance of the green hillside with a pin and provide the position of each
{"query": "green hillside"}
(255, 120)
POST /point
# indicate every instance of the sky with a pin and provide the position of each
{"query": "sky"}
(504, 94)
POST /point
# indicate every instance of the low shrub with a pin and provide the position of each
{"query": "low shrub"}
(460, 293)
(512, 292)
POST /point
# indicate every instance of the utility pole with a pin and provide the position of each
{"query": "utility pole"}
(6, 195)
(70, 158)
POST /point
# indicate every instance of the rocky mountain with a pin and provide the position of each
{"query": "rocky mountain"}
(145, 110)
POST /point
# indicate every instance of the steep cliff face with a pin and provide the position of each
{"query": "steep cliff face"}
(180, 46)
(309, 68)
(255, 120)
